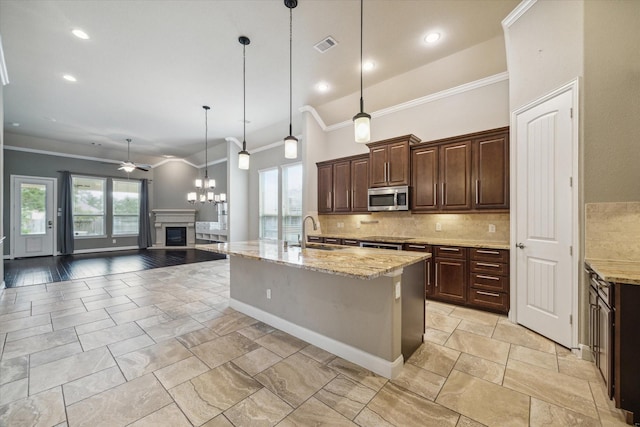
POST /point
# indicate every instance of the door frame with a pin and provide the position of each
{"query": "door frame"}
(12, 217)
(574, 87)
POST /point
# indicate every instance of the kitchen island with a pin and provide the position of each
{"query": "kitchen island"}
(364, 305)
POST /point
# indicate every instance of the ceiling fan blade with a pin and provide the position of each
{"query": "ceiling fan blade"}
(139, 167)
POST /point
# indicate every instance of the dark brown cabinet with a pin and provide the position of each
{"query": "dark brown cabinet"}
(424, 178)
(428, 267)
(626, 345)
(468, 172)
(489, 279)
(389, 162)
(455, 176)
(342, 185)
(491, 171)
(450, 274)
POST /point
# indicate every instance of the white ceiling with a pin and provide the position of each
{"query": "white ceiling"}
(149, 66)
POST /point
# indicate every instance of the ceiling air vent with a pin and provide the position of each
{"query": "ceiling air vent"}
(325, 44)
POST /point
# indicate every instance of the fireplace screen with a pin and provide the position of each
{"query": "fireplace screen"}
(176, 236)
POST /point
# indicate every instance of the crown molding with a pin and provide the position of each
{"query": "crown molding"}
(4, 74)
(516, 13)
(234, 140)
(487, 81)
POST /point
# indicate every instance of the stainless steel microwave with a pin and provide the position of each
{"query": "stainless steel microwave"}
(389, 199)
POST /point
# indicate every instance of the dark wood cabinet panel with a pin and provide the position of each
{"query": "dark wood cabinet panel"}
(341, 186)
(325, 188)
(389, 161)
(359, 184)
(626, 346)
(495, 301)
(455, 176)
(491, 172)
(428, 267)
(451, 280)
(424, 179)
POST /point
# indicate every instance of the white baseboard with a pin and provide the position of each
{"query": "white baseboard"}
(90, 251)
(375, 364)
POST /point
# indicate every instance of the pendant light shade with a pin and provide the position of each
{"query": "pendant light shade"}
(243, 156)
(362, 120)
(290, 142)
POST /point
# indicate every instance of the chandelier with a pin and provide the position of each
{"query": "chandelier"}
(205, 187)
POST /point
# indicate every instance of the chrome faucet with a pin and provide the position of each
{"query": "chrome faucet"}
(303, 243)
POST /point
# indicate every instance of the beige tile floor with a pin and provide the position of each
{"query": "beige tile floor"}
(162, 348)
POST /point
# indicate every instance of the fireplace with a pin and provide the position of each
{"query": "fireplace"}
(176, 236)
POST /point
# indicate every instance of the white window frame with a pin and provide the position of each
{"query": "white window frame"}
(260, 203)
(104, 207)
(284, 198)
(113, 206)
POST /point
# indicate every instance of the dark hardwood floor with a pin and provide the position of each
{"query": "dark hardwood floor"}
(32, 271)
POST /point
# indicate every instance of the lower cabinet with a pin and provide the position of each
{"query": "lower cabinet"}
(473, 277)
(428, 265)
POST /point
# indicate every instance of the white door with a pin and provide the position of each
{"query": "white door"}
(33, 216)
(545, 217)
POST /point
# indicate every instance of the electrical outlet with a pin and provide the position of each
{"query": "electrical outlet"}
(492, 228)
(358, 224)
(268, 293)
(397, 290)
(114, 240)
(438, 226)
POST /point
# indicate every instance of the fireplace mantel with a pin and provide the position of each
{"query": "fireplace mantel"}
(174, 218)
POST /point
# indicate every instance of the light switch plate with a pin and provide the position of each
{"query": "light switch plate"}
(492, 228)
(438, 226)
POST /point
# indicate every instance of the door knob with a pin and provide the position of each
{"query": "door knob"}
(520, 246)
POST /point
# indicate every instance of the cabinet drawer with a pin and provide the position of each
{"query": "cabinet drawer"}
(450, 252)
(496, 255)
(416, 247)
(333, 240)
(498, 268)
(489, 282)
(350, 242)
(497, 301)
(315, 239)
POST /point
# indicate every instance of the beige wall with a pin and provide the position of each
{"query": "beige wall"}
(612, 101)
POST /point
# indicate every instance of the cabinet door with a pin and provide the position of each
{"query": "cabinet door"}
(455, 176)
(398, 164)
(359, 185)
(491, 172)
(451, 279)
(424, 180)
(342, 186)
(325, 188)
(378, 167)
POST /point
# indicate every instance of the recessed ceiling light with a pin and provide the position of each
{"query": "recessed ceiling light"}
(368, 65)
(322, 86)
(432, 37)
(69, 78)
(80, 34)
(16, 124)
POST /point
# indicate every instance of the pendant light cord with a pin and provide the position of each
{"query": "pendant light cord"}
(244, 98)
(290, 70)
(206, 145)
(361, 25)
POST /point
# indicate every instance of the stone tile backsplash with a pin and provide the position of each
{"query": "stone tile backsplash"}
(612, 231)
(453, 226)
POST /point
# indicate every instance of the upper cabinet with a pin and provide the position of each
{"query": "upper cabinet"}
(468, 172)
(342, 185)
(389, 161)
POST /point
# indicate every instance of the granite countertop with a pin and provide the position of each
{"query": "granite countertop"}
(616, 271)
(420, 240)
(361, 263)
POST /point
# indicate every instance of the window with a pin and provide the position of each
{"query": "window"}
(33, 199)
(292, 202)
(268, 210)
(126, 207)
(88, 206)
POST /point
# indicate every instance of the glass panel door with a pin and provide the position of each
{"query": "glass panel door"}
(33, 211)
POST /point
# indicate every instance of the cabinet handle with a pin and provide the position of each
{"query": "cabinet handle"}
(435, 194)
(481, 276)
(489, 294)
(442, 199)
(484, 264)
(348, 201)
(350, 241)
(417, 246)
(484, 251)
(436, 274)
(450, 249)
(477, 191)
(428, 273)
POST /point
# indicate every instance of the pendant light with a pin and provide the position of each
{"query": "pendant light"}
(290, 142)
(204, 187)
(362, 120)
(243, 156)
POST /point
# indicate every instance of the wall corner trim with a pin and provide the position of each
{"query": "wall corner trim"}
(4, 74)
(516, 13)
(234, 140)
(314, 113)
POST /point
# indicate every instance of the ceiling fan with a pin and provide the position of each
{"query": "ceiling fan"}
(130, 166)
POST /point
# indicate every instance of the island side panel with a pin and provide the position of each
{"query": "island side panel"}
(361, 313)
(413, 308)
